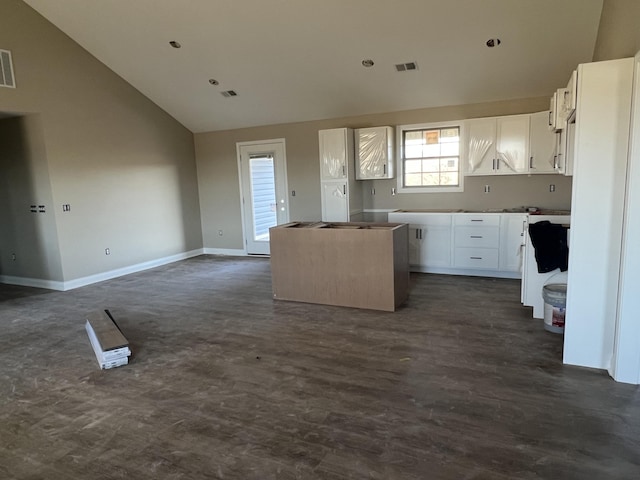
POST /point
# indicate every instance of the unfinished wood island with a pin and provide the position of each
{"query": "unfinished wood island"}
(362, 265)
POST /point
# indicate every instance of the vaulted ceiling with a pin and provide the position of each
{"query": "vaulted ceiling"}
(299, 60)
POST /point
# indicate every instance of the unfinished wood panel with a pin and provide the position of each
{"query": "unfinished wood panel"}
(348, 264)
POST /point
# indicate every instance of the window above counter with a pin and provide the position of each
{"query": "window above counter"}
(430, 158)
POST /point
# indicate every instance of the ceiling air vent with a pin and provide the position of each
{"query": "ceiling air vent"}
(229, 93)
(6, 70)
(404, 67)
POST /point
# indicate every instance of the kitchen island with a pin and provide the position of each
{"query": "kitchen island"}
(362, 265)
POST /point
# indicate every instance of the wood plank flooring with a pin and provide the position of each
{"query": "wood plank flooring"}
(226, 383)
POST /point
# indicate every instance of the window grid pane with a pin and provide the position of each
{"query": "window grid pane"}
(431, 157)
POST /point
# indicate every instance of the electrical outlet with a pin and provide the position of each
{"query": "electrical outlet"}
(293, 193)
(487, 188)
(373, 191)
(13, 257)
(552, 188)
(66, 207)
(107, 251)
(220, 232)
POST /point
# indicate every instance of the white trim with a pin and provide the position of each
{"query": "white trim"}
(465, 271)
(139, 267)
(283, 187)
(400, 163)
(231, 252)
(379, 210)
(32, 282)
(98, 277)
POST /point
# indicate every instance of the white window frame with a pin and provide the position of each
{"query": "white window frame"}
(400, 129)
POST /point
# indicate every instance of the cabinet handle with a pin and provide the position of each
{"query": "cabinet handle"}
(555, 161)
(343, 172)
(420, 234)
(344, 189)
(531, 163)
(550, 113)
(475, 258)
(493, 165)
(477, 220)
(476, 236)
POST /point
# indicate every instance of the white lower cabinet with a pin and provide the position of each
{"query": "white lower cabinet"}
(486, 244)
(512, 238)
(476, 241)
(429, 238)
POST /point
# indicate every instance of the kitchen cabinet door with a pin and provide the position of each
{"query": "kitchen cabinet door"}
(512, 144)
(335, 202)
(374, 153)
(512, 231)
(334, 153)
(542, 144)
(436, 248)
(430, 245)
(481, 146)
(429, 238)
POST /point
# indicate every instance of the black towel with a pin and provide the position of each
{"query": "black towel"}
(550, 243)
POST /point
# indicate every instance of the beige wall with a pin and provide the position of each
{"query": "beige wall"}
(126, 167)
(219, 182)
(619, 31)
(31, 237)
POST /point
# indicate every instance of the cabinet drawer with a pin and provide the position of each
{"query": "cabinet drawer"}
(434, 219)
(472, 236)
(482, 258)
(481, 219)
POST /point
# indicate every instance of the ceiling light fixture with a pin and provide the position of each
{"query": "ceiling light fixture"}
(213, 81)
(174, 44)
(493, 42)
(367, 62)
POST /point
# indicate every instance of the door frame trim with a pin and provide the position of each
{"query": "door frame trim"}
(239, 145)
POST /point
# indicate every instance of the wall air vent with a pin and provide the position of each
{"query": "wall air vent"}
(6, 70)
(229, 93)
(405, 67)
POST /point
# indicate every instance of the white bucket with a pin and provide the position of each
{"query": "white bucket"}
(555, 301)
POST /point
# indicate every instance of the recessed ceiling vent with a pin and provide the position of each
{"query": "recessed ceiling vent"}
(6, 70)
(229, 93)
(405, 67)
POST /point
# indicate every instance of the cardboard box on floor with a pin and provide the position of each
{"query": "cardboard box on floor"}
(109, 344)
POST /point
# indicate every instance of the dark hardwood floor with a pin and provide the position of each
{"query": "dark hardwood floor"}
(225, 383)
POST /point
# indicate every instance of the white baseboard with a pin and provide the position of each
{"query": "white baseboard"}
(98, 277)
(232, 252)
(139, 267)
(32, 282)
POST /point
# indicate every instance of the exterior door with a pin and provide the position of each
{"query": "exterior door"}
(263, 187)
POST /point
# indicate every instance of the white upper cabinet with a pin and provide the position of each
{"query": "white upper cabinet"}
(512, 147)
(341, 195)
(481, 146)
(557, 112)
(570, 95)
(334, 153)
(374, 153)
(498, 145)
(542, 144)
